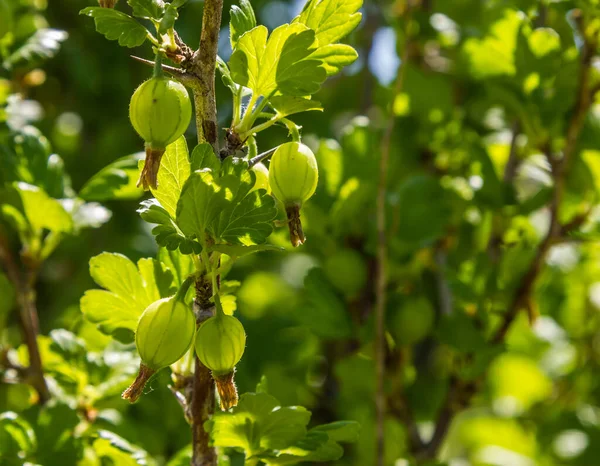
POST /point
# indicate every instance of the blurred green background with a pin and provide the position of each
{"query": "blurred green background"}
(485, 81)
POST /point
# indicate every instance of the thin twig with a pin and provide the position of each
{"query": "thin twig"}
(28, 317)
(382, 279)
(260, 157)
(182, 76)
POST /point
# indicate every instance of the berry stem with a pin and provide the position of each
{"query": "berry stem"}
(158, 71)
(183, 289)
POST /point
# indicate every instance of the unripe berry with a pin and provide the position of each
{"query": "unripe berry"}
(293, 177)
(262, 177)
(160, 111)
(164, 333)
(347, 271)
(220, 344)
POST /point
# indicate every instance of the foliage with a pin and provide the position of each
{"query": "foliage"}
(491, 255)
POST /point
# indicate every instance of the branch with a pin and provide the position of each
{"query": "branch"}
(28, 318)
(185, 78)
(458, 398)
(559, 170)
(204, 64)
(200, 388)
(381, 282)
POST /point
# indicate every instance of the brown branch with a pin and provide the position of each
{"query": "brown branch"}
(381, 282)
(458, 398)
(559, 170)
(204, 64)
(28, 317)
(199, 389)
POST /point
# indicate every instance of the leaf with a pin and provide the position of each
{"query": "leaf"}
(238, 250)
(334, 57)
(259, 424)
(17, 438)
(40, 211)
(279, 63)
(201, 201)
(340, 431)
(181, 265)
(331, 19)
(115, 181)
(27, 156)
(148, 9)
(494, 54)
(324, 313)
(168, 20)
(173, 173)
(288, 105)
(250, 221)
(203, 156)
(226, 75)
(113, 449)
(115, 25)
(128, 291)
(167, 233)
(247, 217)
(242, 19)
(424, 209)
(43, 45)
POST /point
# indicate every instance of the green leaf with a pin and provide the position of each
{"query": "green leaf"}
(286, 105)
(203, 156)
(167, 233)
(202, 199)
(128, 291)
(168, 20)
(334, 57)
(181, 265)
(148, 9)
(279, 63)
(17, 438)
(248, 222)
(315, 447)
(238, 250)
(331, 19)
(226, 75)
(27, 156)
(248, 217)
(43, 45)
(173, 173)
(113, 449)
(242, 20)
(340, 431)
(425, 209)
(115, 181)
(115, 25)
(494, 54)
(39, 210)
(259, 424)
(324, 313)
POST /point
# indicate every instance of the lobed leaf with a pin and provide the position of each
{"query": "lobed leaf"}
(331, 19)
(115, 25)
(128, 290)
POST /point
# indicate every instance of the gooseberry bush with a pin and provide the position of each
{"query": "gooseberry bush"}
(215, 204)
